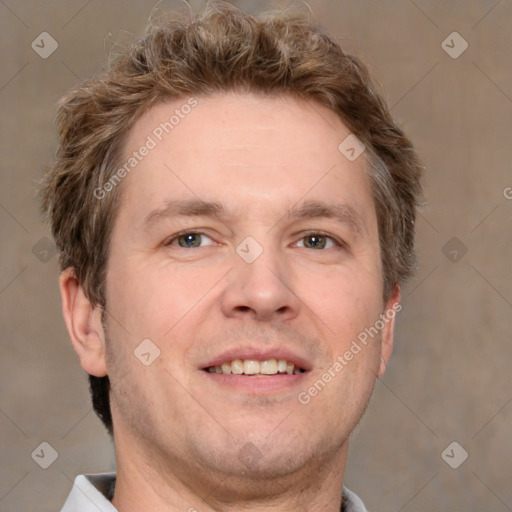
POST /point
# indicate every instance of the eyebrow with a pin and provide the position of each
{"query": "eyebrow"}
(185, 208)
(341, 212)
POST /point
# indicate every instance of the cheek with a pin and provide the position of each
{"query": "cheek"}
(149, 299)
(347, 299)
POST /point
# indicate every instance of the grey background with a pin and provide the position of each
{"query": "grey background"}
(449, 379)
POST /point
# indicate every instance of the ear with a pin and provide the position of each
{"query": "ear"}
(392, 308)
(83, 321)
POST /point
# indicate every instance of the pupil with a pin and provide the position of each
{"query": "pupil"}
(190, 240)
(316, 241)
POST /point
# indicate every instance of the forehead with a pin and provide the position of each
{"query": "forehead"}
(252, 151)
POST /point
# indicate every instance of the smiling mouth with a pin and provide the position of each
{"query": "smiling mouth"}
(253, 367)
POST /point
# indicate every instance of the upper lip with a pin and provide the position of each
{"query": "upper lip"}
(259, 355)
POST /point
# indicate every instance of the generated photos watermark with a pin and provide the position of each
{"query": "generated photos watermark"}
(361, 341)
(151, 142)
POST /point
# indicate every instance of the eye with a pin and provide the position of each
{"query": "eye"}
(318, 241)
(188, 240)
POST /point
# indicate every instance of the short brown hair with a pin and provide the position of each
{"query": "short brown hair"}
(222, 49)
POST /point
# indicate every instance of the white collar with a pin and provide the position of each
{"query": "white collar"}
(89, 494)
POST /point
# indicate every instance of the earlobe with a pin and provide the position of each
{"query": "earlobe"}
(83, 321)
(393, 306)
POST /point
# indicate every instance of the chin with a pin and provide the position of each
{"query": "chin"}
(268, 454)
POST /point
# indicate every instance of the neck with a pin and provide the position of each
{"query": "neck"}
(146, 482)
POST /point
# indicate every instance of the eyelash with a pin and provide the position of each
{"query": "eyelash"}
(337, 242)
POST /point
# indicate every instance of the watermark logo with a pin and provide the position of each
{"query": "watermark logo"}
(44, 45)
(454, 249)
(351, 148)
(146, 352)
(45, 455)
(454, 45)
(454, 455)
(249, 249)
(250, 455)
(44, 249)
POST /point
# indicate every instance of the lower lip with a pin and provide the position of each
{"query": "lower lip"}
(257, 385)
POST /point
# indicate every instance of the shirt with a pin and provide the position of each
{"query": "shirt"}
(92, 493)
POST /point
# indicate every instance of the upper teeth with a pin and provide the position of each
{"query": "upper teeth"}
(253, 367)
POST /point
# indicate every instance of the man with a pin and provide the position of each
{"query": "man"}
(234, 208)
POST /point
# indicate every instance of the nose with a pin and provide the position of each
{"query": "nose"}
(260, 290)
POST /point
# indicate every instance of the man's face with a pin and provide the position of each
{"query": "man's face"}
(189, 276)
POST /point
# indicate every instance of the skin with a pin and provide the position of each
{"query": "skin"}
(184, 440)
